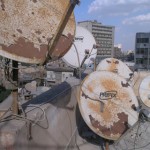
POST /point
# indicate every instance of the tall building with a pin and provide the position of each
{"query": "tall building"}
(117, 51)
(142, 51)
(104, 36)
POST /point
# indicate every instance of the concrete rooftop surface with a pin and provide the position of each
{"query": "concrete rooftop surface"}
(61, 126)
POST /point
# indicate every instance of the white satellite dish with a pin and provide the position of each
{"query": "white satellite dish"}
(115, 65)
(84, 41)
(144, 91)
(108, 104)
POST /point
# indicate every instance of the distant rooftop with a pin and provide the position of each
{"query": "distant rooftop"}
(143, 33)
(93, 21)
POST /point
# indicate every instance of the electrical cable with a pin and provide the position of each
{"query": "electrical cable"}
(18, 117)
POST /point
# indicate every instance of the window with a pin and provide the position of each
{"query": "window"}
(142, 51)
(139, 61)
(142, 40)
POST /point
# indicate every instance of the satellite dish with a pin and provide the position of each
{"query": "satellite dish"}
(28, 26)
(138, 77)
(144, 91)
(108, 104)
(115, 65)
(84, 41)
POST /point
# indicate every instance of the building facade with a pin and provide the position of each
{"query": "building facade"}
(104, 36)
(142, 51)
(117, 51)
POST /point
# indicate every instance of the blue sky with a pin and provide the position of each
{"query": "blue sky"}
(128, 17)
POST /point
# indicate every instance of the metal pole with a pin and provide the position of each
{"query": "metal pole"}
(107, 145)
(15, 90)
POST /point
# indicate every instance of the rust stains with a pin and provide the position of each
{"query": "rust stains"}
(113, 65)
(123, 95)
(2, 5)
(119, 127)
(63, 45)
(116, 62)
(90, 88)
(40, 41)
(28, 35)
(133, 107)
(43, 12)
(20, 4)
(125, 84)
(25, 49)
(38, 32)
(108, 61)
(19, 30)
(84, 95)
(105, 114)
(109, 84)
(34, 1)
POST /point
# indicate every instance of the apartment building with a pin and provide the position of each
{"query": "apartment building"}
(104, 36)
(142, 50)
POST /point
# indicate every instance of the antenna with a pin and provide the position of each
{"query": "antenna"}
(115, 65)
(84, 47)
(108, 104)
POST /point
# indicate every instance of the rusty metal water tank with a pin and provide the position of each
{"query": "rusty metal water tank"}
(108, 104)
(28, 26)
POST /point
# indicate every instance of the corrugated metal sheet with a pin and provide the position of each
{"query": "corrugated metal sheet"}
(27, 26)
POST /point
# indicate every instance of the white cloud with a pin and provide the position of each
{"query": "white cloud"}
(118, 7)
(137, 19)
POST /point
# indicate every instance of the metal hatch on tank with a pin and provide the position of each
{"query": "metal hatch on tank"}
(144, 91)
(115, 65)
(28, 26)
(108, 104)
(83, 41)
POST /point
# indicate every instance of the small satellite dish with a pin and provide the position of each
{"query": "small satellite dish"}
(28, 26)
(83, 43)
(31, 87)
(115, 65)
(108, 104)
(144, 91)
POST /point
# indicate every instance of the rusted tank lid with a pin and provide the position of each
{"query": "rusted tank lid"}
(27, 27)
(115, 65)
(144, 91)
(108, 104)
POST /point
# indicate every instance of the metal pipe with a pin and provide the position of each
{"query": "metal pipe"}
(15, 91)
(107, 145)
